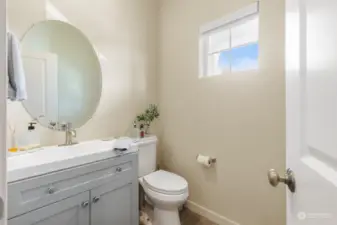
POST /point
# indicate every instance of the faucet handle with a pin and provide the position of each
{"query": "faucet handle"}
(74, 133)
(52, 125)
(63, 126)
(66, 126)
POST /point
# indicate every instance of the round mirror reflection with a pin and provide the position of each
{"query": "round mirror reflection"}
(63, 74)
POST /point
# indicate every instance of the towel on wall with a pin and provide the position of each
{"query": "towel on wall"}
(16, 75)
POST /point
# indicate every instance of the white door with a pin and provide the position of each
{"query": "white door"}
(3, 118)
(311, 80)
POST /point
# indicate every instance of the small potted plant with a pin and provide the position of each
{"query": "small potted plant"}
(146, 118)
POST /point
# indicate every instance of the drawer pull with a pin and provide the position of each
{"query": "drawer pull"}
(85, 204)
(118, 169)
(51, 190)
(95, 199)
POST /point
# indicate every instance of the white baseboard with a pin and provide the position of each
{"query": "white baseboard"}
(212, 216)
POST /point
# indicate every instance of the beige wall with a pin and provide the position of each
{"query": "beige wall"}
(238, 118)
(124, 31)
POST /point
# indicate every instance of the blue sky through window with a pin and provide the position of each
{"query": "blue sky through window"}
(240, 58)
(224, 60)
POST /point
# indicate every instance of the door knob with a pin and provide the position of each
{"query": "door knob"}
(288, 179)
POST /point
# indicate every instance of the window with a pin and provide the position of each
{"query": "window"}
(230, 44)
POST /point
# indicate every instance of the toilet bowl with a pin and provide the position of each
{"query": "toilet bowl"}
(167, 192)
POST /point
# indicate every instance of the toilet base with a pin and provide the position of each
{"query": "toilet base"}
(166, 216)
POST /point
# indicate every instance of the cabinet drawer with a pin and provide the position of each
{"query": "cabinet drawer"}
(70, 211)
(27, 195)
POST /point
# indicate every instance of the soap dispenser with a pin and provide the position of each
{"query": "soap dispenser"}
(135, 131)
(29, 139)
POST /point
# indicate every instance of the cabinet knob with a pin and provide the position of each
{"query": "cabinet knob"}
(95, 199)
(51, 190)
(118, 169)
(85, 204)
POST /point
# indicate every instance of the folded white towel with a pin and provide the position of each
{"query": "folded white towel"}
(123, 143)
(16, 75)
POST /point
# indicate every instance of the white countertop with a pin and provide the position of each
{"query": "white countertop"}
(54, 158)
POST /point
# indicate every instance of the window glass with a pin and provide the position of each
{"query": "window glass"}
(245, 57)
(218, 41)
(244, 33)
(231, 43)
(224, 62)
(213, 68)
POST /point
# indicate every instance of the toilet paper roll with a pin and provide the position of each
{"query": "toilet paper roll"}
(204, 160)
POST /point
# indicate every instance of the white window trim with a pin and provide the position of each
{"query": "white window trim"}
(238, 15)
(222, 23)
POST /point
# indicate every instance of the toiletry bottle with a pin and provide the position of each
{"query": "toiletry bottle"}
(142, 132)
(135, 131)
(29, 139)
(33, 136)
(11, 138)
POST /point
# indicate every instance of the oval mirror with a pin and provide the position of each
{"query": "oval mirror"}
(63, 74)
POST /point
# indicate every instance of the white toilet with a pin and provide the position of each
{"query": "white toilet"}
(167, 191)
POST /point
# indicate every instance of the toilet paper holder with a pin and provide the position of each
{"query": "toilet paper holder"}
(212, 159)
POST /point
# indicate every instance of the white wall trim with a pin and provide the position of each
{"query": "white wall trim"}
(238, 15)
(209, 214)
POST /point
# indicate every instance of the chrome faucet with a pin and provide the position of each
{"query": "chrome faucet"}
(70, 134)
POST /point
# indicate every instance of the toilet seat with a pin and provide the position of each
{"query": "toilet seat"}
(166, 183)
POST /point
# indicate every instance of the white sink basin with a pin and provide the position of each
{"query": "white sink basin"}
(49, 159)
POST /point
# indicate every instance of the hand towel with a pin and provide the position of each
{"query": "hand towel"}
(123, 143)
(16, 75)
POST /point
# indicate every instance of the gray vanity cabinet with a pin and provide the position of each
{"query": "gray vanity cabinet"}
(110, 204)
(101, 193)
(71, 211)
(105, 213)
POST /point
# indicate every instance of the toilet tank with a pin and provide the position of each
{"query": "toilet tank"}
(147, 155)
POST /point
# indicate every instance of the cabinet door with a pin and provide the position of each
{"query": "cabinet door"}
(115, 203)
(71, 211)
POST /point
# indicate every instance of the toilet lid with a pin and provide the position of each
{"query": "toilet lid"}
(166, 183)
